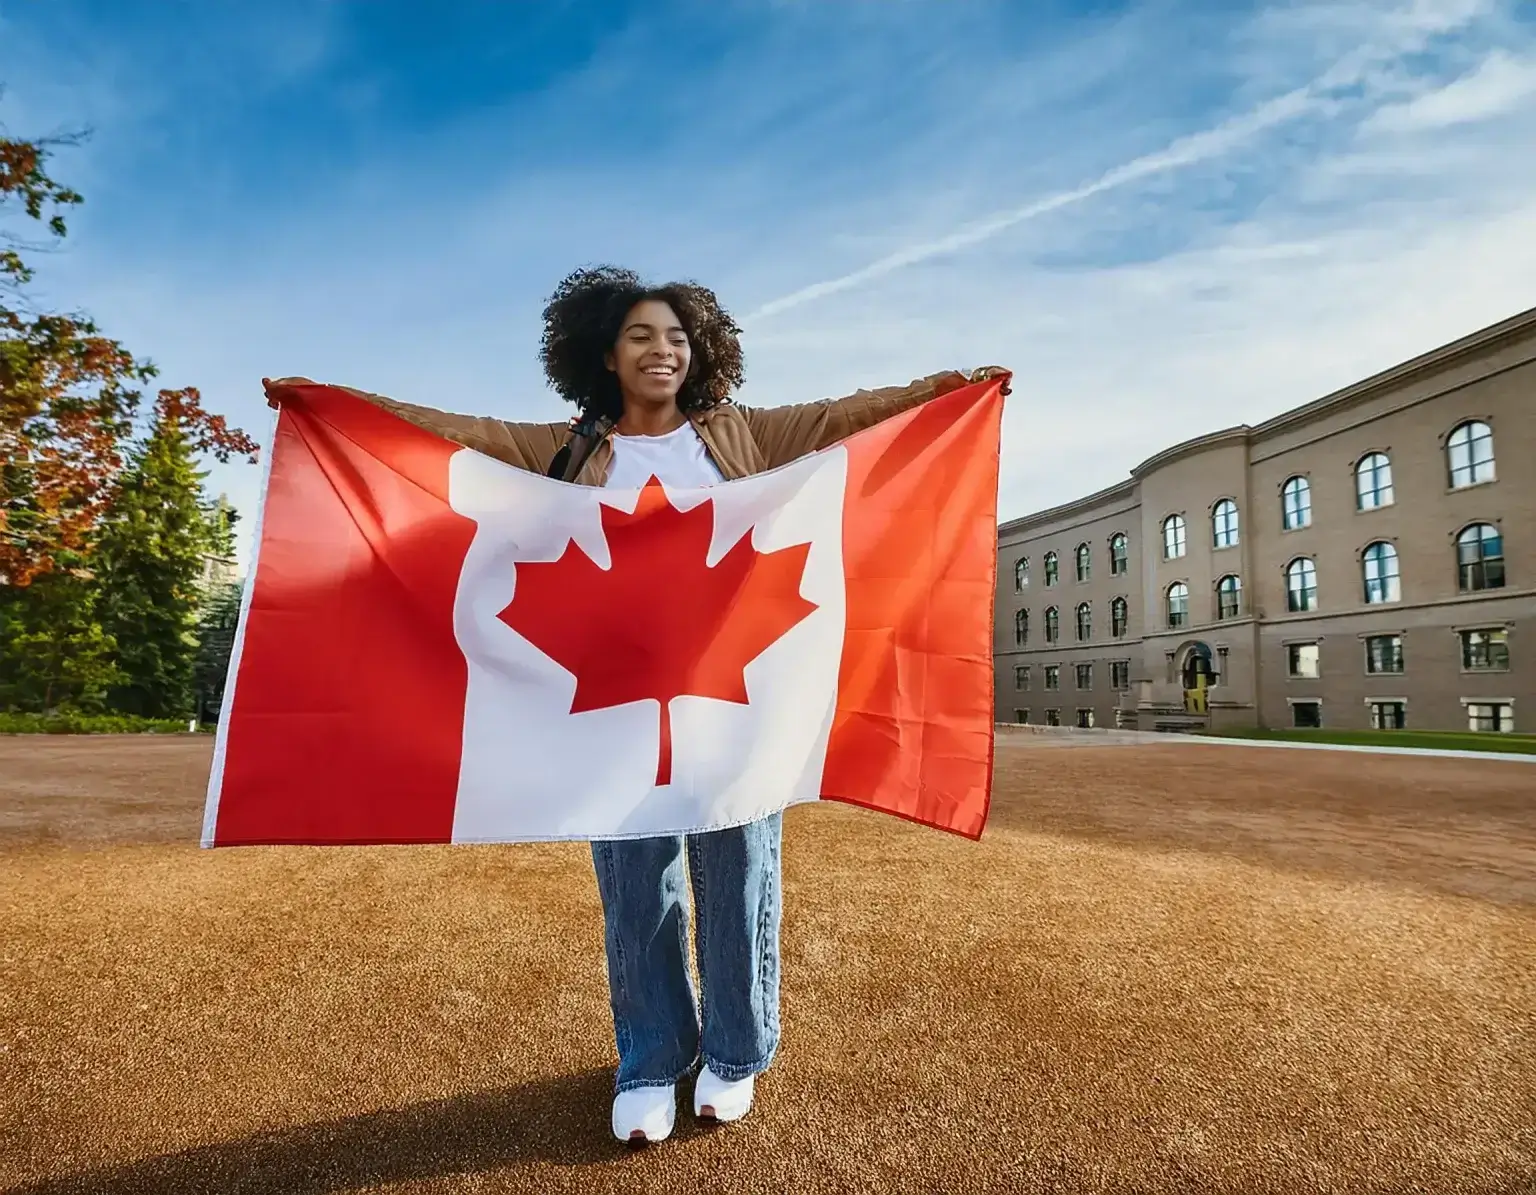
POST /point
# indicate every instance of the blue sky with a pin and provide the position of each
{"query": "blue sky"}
(1164, 217)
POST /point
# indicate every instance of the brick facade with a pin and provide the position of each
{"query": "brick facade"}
(1398, 546)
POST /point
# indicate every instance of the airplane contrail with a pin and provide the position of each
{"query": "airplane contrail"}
(1186, 151)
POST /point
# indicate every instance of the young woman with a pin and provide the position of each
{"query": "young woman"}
(651, 371)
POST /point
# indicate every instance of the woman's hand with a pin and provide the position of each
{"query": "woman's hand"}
(275, 389)
(992, 371)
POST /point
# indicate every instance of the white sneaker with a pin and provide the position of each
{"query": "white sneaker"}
(644, 1114)
(720, 1099)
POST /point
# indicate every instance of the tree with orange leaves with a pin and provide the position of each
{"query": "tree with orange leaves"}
(69, 396)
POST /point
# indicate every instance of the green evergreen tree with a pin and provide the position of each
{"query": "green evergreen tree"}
(150, 562)
(215, 644)
(54, 652)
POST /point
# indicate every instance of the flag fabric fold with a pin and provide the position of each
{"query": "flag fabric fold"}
(438, 647)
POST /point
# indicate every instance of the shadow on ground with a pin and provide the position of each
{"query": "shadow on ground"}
(559, 1121)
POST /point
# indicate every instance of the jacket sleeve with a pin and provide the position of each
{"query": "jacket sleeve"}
(530, 446)
(784, 434)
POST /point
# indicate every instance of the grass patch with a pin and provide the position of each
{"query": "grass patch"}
(1437, 740)
(64, 723)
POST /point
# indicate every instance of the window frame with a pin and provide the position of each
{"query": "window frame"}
(1235, 527)
(1290, 668)
(1357, 474)
(1463, 642)
(1391, 582)
(1372, 703)
(1505, 703)
(1483, 559)
(1123, 603)
(1079, 672)
(1082, 622)
(1181, 538)
(1082, 563)
(1052, 570)
(1120, 566)
(1316, 589)
(1237, 592)
(1296, 702)
(1053, 624)
(1304, 506)
(1021, 574)
(1184, 621)
(1021, 627)
(1365, 647)
(1472, 464)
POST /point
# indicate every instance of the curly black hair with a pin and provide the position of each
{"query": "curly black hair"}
(582, 322)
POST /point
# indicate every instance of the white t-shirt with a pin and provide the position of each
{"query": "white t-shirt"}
(678, 458)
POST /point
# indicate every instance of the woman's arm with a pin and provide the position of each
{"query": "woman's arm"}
(784, 434)
(529, 446)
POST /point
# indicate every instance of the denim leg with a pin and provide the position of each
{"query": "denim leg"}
(645, 920)
(736, 878)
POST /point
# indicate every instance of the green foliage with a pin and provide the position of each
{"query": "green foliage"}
(74, 723)
(54, 652)
(216, 641)
(150, 558)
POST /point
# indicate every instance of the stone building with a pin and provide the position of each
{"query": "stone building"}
(1366, 560)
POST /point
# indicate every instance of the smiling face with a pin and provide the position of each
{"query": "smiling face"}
(651, 355)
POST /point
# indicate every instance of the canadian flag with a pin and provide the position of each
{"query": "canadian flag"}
(438, 647)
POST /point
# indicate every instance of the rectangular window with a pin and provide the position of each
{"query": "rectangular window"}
(1302, 661)
(1053, 677)
(1495, 716)
(1085, 676)
(1389, 715)
(1085, 719)
(1053, 717)
(1384, 653)
(1021, 676)
(1307, 715)
(1119, 674)
(1021, 717)
(1485, 651)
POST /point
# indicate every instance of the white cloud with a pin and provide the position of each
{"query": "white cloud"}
(1215, 268)
(1499, 85)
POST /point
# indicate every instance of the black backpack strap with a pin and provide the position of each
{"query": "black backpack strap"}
(586, 431)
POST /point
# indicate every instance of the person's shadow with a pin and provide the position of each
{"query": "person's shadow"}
(562, 1120)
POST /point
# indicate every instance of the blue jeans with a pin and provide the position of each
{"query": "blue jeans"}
(656, 1020)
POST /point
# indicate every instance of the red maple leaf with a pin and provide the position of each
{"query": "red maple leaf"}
(659, 622)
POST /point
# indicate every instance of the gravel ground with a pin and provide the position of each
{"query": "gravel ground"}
(1165, 968)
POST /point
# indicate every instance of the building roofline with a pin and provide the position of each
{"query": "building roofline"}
(1522, 322)
(1119, 489)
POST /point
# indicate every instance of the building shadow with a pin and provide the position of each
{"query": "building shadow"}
(562, 1121)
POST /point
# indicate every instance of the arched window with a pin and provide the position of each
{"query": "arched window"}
(1119, 554)
(1301, 584)
(1021, 628)
(1224, 524)
(1021, 574)
(1373, 481)
(1052, 625)
(1229, 597)
(1174, 537)
(1480, 558)
(1296, 503)
(1469, 453)
(1050, 568)
(1084, 562)
(1084, 623)
(1119, 617)
(1379, 566)
(1178, 604)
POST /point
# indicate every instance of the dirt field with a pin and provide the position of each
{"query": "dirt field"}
(1166, 968)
